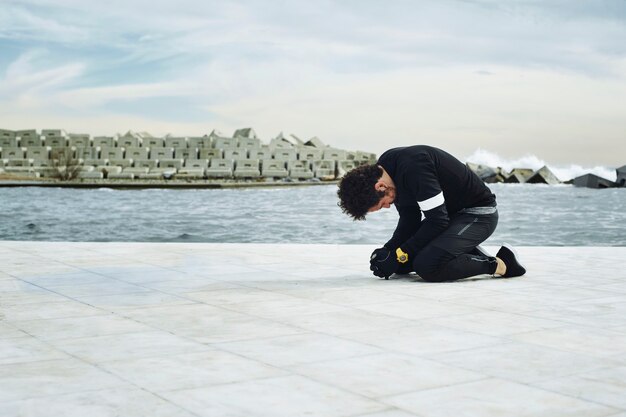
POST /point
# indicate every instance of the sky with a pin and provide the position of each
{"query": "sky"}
(512, 78)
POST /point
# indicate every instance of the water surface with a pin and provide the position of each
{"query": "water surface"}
(530, 215)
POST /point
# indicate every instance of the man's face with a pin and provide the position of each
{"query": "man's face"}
(386, 201)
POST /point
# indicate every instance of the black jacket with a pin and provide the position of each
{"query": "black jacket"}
(435, 183)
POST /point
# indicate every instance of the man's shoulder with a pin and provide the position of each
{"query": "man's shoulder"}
(411, 160)
(414, 157)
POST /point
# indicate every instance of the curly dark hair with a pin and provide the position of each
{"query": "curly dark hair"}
(356, 190)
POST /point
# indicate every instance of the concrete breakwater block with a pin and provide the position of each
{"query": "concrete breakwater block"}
(488, 174)
(141, 156)
(519, 175)
(621, 176)
(592, 181)
(543, 176)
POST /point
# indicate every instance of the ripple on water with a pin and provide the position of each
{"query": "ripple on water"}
(529, 215)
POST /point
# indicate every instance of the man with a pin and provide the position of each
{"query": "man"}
(445, 211)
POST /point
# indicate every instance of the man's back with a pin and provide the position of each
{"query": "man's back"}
(421, 172)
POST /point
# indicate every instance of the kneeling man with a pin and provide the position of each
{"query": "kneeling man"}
(445, 211)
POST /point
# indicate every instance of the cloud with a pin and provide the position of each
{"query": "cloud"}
(513, 112)
(18, 22)
(358, 74)
(29, 79)
(375, 35)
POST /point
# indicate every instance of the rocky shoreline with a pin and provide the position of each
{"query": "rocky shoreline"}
(544, 175)
(8, 181)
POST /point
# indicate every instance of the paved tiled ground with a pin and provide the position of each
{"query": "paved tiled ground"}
(121, 329)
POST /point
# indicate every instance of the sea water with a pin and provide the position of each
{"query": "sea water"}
(530, 215)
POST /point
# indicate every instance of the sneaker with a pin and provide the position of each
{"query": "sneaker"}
(513, 267)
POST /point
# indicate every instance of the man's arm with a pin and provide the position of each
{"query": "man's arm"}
(408, 224)
(431, 201)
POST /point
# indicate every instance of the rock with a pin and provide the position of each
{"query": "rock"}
(519, 176)
(484, 172)
(500, 176)
(247, 132)
(543, 176)
(592, 181)
(315, 142)
(621, 176)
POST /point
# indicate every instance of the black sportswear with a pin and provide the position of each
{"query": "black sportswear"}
(435, 183)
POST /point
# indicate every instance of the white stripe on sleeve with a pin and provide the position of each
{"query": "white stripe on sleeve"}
(432, 202)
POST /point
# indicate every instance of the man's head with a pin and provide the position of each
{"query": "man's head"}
(365, 189)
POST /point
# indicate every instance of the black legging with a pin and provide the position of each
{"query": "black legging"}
(453, 255)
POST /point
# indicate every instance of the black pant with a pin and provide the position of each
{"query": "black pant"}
(453, 255)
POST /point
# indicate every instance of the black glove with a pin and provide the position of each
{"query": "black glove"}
(383, 263)
(380, 252)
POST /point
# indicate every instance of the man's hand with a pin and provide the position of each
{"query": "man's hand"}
(379, 253)
(383, 263)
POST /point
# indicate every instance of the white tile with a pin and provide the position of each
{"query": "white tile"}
(345, 321)
(124, 401)
(30, 294)
(291, 350)
(586, 319)
(604, 386)
(523, 362)
(332, 271)
(420, 308)
(56, 279)
(283, 307)
(495, 397)
(275, 397)
(122, 302)
(148, 275)
(52, 377)
(77, 327)
(232, 328)
(619, 287)
(105, 286)
(439, 291)
(126, 346)
(595, 342)
(50, 310)
(563, 294)
(349, 296)
(193, 284)
(224, 269)
(229, 296)
(423, 340)
(11, 284)
(209, 324)
(304, 328)
(285, 283)
(175, 372)
(385, 374)
(7, 331)
(509, 302)
(394, 412)
(27, 349)
(495, 323)
(34, 266)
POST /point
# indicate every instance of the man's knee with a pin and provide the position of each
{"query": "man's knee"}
(429, 262)
(430, 276)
